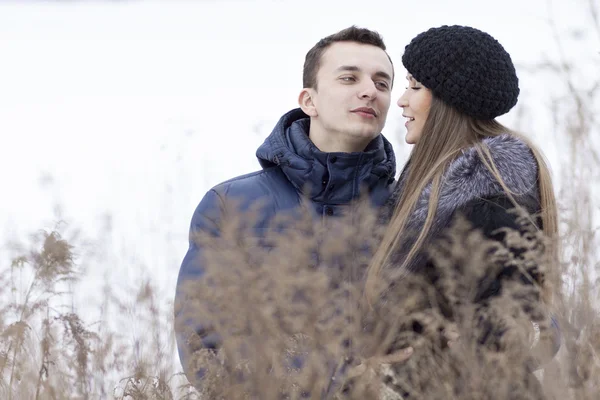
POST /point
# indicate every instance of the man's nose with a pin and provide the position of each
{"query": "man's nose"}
(368, 91)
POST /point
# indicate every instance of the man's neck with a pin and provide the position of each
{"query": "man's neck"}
(335, 143)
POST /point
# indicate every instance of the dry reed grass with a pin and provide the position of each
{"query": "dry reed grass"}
(291, 316)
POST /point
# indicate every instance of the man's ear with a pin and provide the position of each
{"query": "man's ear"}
(307, 103)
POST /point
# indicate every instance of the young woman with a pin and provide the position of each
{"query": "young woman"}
(463, 160)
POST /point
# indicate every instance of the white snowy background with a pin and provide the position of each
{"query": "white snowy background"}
(117, 116)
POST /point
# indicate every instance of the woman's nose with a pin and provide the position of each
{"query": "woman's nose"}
(402, 101)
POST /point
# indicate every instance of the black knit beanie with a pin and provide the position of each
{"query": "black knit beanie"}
(466, 68)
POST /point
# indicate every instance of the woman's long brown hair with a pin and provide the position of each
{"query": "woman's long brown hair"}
(445, 134)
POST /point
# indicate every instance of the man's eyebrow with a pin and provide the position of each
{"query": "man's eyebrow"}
(383, 75)
(354, 68)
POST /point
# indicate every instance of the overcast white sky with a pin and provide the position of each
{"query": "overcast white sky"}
(134, 109)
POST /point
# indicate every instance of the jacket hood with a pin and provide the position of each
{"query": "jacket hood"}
(329, 177)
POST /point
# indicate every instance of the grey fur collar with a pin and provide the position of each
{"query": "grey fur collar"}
(467, 178)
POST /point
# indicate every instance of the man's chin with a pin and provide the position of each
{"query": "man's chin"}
(366, 136)
(368, 132)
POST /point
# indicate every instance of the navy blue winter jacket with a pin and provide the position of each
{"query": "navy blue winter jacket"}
(290, 164)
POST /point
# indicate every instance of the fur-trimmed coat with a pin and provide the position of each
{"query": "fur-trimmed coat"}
(469, 189)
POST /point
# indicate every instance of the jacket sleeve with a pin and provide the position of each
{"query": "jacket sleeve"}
(192, 334)
(489, 215)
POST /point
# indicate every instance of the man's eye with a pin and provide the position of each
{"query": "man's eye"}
(383, 85)
(348, 79)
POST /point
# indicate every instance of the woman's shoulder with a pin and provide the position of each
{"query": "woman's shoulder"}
(469, 176)
(509, 153)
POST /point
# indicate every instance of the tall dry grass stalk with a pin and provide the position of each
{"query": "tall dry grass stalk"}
(50, 350)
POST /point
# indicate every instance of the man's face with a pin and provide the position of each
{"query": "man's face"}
(353, 92)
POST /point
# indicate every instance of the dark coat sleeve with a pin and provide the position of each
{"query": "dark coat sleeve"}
(489, 215)
(192, 334)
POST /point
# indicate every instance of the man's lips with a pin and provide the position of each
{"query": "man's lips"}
(365, 112)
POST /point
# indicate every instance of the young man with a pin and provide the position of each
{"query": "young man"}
(332, 146)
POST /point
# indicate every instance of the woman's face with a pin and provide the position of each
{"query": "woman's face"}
(415, 103)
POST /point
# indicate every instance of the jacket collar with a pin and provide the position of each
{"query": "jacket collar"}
(334, 178)
(468, 178)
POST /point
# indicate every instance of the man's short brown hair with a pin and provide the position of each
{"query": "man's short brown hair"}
(312, 61)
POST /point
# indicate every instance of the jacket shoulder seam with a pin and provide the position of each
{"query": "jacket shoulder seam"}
(245, 176)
